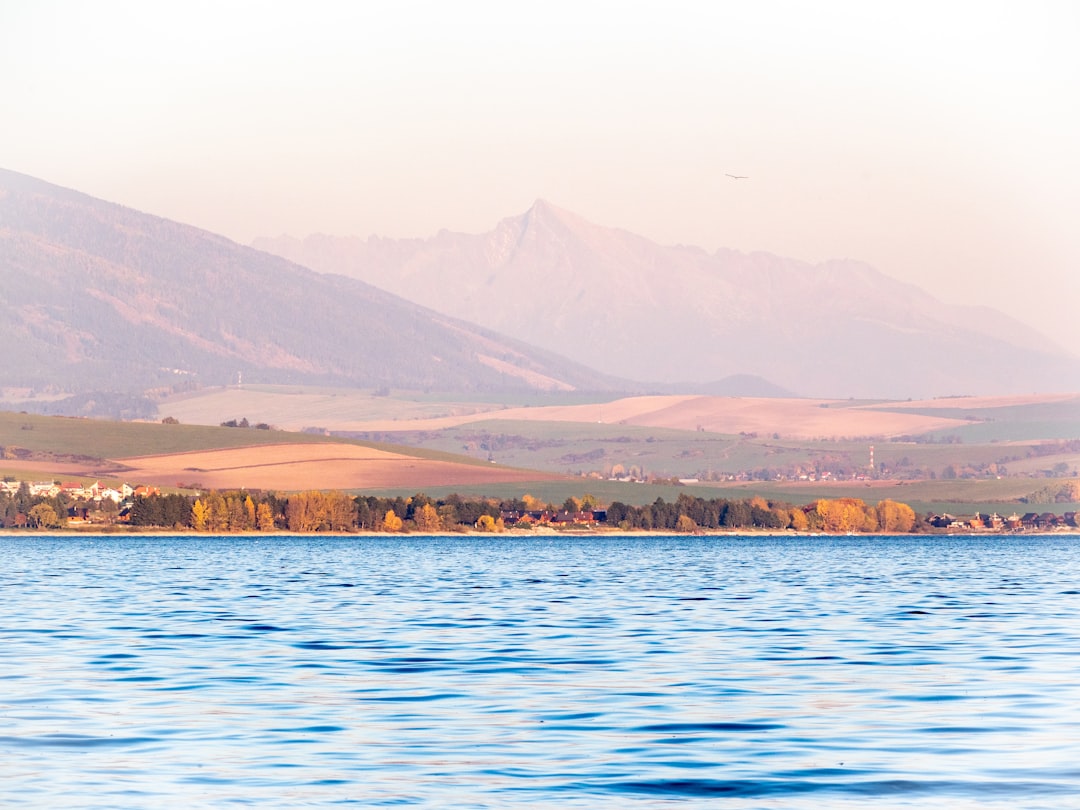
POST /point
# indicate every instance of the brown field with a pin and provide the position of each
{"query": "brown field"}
(312, 466)
(790, 418)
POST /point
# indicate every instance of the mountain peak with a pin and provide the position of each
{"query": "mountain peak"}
(644, 311)
(545, 212)
(86, 280)
(542, 207)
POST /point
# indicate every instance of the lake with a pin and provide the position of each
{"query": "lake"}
(548, 671)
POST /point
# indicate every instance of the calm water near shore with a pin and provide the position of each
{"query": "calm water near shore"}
(548, 672)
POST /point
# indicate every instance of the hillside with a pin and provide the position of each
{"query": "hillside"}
(98, 297)
(197, 457)
(639, 310)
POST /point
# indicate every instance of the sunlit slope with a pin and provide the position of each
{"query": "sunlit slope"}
(196, 457)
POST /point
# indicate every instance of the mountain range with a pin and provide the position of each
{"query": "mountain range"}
(678, 315)
(99, 297)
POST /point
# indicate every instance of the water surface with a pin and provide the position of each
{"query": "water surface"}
(549, 672)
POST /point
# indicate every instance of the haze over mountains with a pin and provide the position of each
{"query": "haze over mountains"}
(96, 296)
(99, 297)
(618, 302)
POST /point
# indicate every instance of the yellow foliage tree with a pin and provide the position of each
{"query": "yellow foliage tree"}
(427, 519)
(841, 514)
(486, 523)
(895, 517)
(798, 520)
(217, 512)
(340, 512)
(307, 512)
(391, 522)
(870, 520)
(532, 504)
(199, 515)
(234, 507)
(264, 518)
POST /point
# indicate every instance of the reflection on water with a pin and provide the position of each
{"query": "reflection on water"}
(491, 672)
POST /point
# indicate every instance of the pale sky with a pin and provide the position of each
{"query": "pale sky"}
(938, 141)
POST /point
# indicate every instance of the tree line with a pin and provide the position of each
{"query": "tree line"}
(334, 511)
(839, 515)
(311, 511)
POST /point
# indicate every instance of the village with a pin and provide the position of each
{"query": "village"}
(1029, 522)
(81, 503)
(78, 492)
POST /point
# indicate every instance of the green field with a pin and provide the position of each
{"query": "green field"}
(591, 451)
(582, 448)
(100, 439)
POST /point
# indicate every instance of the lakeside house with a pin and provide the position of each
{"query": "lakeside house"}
(981, 522)
(547, 517)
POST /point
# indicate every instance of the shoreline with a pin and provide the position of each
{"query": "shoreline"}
(516, 533)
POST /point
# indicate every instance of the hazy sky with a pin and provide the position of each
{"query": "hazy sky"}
(939, 141)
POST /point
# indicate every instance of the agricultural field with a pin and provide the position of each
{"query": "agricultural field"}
(187, 457)
(325, 466)
(941, 452)
(299, 408)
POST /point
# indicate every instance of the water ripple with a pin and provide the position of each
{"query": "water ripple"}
(553, 672)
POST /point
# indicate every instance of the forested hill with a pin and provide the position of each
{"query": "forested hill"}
(96, 296)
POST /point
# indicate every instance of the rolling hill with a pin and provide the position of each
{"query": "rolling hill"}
(198, 457)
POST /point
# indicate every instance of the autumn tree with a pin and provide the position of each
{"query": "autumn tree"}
(43, 516)
(217, 512)
(238, 521)
(870, 523)
(199, 515)
(798, 520)
(427, 519)
(264, 518)
(486, 523)
(533, 504)
(340, 512)
(841, 515)
(315, 511)
(895, 517)
(448, 516)
(391, 522)
(758, 502)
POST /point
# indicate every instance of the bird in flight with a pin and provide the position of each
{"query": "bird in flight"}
(738, 177)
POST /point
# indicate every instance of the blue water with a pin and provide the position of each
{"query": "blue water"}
(548, 672)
